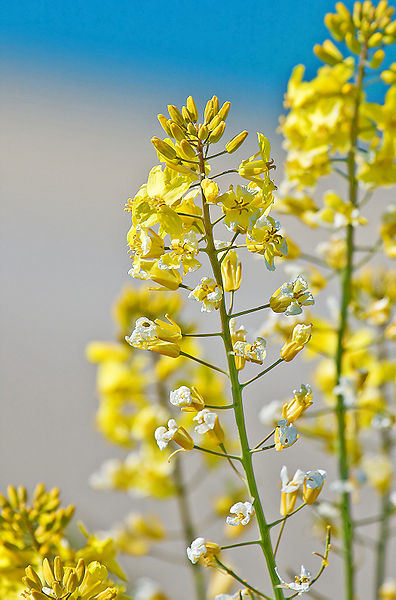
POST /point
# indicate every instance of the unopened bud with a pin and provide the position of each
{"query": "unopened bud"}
(377, 58)
(203, 132)
(375, 39)
(164, 148)
(165, 124)
(236, 142)
(225, 109)
(176, 115)
(192, 109)
(177, 132)
(217, 133)
(352, 43)
(209, 111)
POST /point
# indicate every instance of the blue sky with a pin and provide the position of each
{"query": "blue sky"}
(246, 47)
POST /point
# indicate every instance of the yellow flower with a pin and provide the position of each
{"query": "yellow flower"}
(379, 471)
(300, 336)
(255, 352)
(243, 207)
(231, 271)
(182, 253)
(290, 297)
(157, 336)
(285, 435)
(209, 293)
(302, 399)
(388, 230)
(290, 489)
(168, 278)
(313, 484)
(259, 164)
(175, 433)
(265, 239)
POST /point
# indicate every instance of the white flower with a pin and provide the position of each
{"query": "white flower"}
(300, 584)
(145, 331)
(342, 487)
(315, 479)
(327, 511)
(291, 485)
(253, 352)
(269, 414)
(196, 550)
(285, 435)
(209, 293)
(392, 499)
(206, 421)
(244, 594)
(181, 396)
(163, 435)
(242, 511)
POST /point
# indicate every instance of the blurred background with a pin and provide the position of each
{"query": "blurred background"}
(82, 83)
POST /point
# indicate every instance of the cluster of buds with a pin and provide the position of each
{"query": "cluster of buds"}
(84, 583)
(311, 481)
(367, 24)
(157, 336)
(183, 127)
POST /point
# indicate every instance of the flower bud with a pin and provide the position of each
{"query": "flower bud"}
(236, 142)
(163, 148)
(377, 58)
(217, 133)
(231, 272)
(238, 335)
(313, 484)
(176, 115)
(375, 39)
(165, 124)
(300, 336)
(192, 109)
(177, 132)
(352, 43)
(209, 111)
(225, 109)
(210, 190)
(285, 435)
(203, 132)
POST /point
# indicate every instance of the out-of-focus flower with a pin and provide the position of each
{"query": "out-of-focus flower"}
(300, 584)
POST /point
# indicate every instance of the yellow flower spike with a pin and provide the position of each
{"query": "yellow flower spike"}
(301, 401)
(236, 142)
(210, 190)
(231, 270)
(300, 336)
(238, 335)
(192, 109)
(313, 484)
(217, 133)
(163, 148)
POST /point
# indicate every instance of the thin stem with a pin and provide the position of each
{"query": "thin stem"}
(222, 454)
(277, 362)
(287, 516)
(231, 302)
(240, 545)
(243, 581)
(343, 463)
(216, 155)
(236, 389)
(224, 407)
(279, 537)
(263, 448)
(202, 334)
(203, 362)
(218, 220)
(224, 251)
(264, 440)
(224, 173)
(250, 310)
(32, 535)
(344, 175)
(314, 260)
(233, 467)
(182, 214)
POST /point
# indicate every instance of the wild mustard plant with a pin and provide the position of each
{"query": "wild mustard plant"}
(331, 127)
(177, 218)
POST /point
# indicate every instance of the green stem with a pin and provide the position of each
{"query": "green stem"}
(343, 463)
(236, 389)
(222, 454)
(277, 362)
(240, 544)
(250, 310)
(203, 362)
(237, 578)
